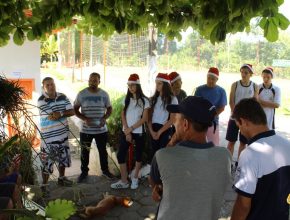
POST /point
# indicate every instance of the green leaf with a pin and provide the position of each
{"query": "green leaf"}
(18, 37)
(280, 2)
(30, 36)
(283, 21)
(263, 22)
(60, 209)
(272, 32)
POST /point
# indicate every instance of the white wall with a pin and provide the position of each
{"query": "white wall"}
(22, 62)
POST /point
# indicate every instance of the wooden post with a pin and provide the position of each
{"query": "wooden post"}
(81, 54)
(105, 60)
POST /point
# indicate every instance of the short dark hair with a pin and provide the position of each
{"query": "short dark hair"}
(95, 74)
(199, 127)
(267, 72)
(46, 79)
(245, 67)
(251, 110)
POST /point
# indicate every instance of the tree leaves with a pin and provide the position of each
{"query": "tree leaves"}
(213, 19)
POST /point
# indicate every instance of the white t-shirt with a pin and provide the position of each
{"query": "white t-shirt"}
(134, 113)
(160, 114)
(272, 94)
(263, 174)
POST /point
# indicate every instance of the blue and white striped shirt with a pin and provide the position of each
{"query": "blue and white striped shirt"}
(53, 130)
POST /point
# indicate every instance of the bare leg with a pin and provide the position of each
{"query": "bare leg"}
(45, 178)
(137, 169)
(124, 173)
(16, 197)
(231, 147)
(61, 171)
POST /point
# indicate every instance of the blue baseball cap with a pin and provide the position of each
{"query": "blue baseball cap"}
(196, 108)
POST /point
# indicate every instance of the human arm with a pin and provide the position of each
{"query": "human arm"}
(106, 115)
(268, 104)
(79, 114)
(165, 126)
(155, 181)
(220, 110)
(275, 103)
(125, 126)
(256, 91)
(58, 115)
(222, 101)
(241, 208)
(149, 121)
(245, 183)
(232, 96)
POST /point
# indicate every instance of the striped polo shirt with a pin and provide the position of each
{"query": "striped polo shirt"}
(53, 130)
(263, 175)
(94, 106)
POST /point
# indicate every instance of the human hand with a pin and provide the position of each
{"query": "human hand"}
(157, 193)
(128, 131)
(173, 141)
(102, 122)
(129, 138)
(54, 116)
(88, 121)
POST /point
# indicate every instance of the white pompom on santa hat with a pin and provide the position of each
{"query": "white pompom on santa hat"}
(133, 79)
(213, 71)
(163, 77)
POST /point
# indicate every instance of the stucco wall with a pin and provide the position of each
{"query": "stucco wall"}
(22, 62)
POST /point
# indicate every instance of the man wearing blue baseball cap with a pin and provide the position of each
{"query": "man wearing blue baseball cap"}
(190, 178)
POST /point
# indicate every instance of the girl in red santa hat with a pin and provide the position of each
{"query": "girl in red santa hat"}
(134, 115)
(160, 122)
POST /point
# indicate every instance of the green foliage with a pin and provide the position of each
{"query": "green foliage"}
(60, 209)
(4, 147)
(49, 47)
(114, 122)
(212, 19)
(199, 53)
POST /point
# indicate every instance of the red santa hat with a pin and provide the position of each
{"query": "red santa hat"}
(269, 69)
(213, 71)
(249, 66)
(174, 76)
(133, 79)
(163, 77)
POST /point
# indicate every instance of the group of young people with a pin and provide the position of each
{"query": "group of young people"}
(92, 105)
(172, 119)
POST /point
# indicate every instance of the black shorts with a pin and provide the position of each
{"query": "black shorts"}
(233, 133)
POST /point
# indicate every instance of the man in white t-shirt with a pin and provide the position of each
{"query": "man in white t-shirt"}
(269, 96)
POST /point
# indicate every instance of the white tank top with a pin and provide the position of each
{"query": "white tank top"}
(243, 92)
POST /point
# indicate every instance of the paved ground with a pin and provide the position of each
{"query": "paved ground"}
(91, 192)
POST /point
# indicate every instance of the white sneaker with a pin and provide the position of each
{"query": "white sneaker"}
(119, 185)
(134, 184)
